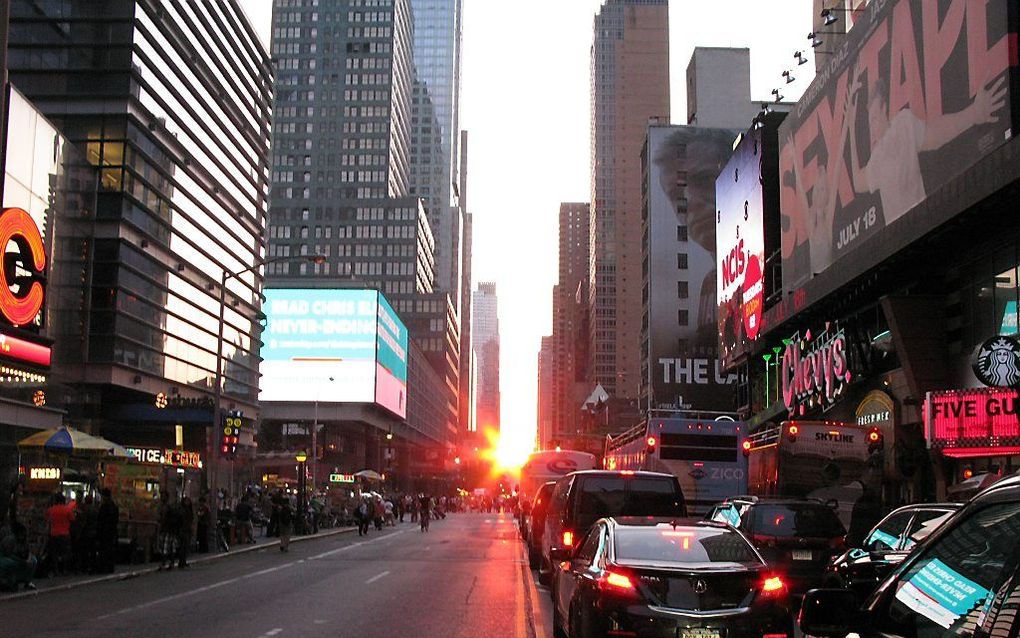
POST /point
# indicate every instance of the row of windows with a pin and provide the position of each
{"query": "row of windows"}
(367, 63)
(369, 32)
(366, 127)
(356, 79)
(369, 16)
(296, 33)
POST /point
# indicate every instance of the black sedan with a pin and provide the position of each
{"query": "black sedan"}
(656, 578)
(885, 547)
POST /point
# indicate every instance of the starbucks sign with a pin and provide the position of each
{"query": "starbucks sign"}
(997, 362)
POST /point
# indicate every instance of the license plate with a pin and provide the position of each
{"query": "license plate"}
(698, 632)
(802, 554)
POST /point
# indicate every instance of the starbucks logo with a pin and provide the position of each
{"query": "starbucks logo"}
(998, 362)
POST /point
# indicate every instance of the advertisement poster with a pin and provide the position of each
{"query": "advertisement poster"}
(917, 94)
(941, 594)
(321, 345)
(683, 338)
(740, 248)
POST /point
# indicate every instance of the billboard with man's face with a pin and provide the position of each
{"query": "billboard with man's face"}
(918, 93)
(683, 363)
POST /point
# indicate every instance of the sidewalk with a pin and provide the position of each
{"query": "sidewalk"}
(61, 583)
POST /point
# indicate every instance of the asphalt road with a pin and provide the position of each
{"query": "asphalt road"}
(467, 577)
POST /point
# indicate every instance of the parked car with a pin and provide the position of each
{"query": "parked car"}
(581, 498)
(534, 523)
(661, 578)
(798, 537)
(963, 580)
(885, 547)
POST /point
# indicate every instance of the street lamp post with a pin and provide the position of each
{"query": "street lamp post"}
(301, 459)
(211, 446)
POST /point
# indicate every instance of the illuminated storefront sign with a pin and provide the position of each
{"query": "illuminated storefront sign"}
(976, 422)
(997, 362)
(159, 456)
(44, 473)
(341, 478)
(814, 370)
(21, 298)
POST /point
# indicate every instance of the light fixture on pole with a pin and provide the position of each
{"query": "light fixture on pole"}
(211, 439)
(301, 458)
(789, 76)
(800, 58)
(779, 96)
(815, 40)
(829, 17)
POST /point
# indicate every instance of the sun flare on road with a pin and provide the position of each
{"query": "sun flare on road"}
(507, 451)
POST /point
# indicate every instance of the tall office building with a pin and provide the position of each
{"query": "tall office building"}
(570, 321)
(485, 342)
(435, 120)
(342, 148)
(466, 353)
(629, 86)
(171, 100)
(545, 394)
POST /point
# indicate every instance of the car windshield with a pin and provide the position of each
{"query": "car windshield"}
(601, 496)
(924, 524)
(682, 545)
(797, 519)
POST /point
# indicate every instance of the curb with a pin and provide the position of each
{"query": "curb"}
(151, 570)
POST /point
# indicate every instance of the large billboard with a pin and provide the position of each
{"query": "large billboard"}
(333, 346)
(917, 94)
(740, 248)
(682, 340)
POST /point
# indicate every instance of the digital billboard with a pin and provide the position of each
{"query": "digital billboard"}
(740, 248)
(333, 346)
(682, 332)
(917, 93)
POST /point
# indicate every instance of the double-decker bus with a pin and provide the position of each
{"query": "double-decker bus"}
(705, 455)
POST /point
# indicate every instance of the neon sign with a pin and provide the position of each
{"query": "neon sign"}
(21, 296)
(976, 422)
(160, 456)
(341, 478)
(44, 473)
(815, 371)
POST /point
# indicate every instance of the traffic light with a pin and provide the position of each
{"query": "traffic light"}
(231, 434)
(875, 443)
(651, 442)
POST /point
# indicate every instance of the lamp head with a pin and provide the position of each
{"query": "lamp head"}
(301, 456)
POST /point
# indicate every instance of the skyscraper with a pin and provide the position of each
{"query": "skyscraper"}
(629, 86)
(546, 382)
(570, 315)
(171, 100)
(485, 341)
(435, 118)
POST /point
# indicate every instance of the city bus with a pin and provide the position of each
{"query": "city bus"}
(705, 455)
(550, 465)
(826, 460)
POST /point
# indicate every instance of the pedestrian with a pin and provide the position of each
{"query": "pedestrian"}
(17, 564)
(186, 531)
(58, 544)
(83, 534)
(203, 516)
(424, 511)
(364, 516)
(379, 513)
(242, 517)
(414, 509)
(388, 513)
(285, 522)
(169, 531)
(107, 533)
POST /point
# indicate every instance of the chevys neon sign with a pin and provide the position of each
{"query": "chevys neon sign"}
(977, 422)
(814, 371)
(21, 296)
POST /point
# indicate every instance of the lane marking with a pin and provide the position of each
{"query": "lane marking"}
(272, 632)
(376, 577)
(231, 581)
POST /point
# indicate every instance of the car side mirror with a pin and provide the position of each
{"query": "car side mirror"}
(560, 554)
(828, 613)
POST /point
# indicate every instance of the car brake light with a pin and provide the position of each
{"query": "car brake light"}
(838, 543)
(774, 636)
(618, 581)
(568, 539)
(773, 585)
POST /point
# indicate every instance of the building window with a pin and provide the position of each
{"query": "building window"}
(682, 290)
(681, 233)
(681, 261)
(682, 317)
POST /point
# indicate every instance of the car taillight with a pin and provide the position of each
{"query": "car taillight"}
(616, 580)
(773, 586)
(568, 539)
(838, 543)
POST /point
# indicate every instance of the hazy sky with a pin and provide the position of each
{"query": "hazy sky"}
(525, 104)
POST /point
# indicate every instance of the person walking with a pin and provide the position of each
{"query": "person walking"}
(414, 509)
(424, 512)
(388, 513)
(186, 531)
(242, 517)
(285, 523)
(107, 533)
(17, 564)
(379, 513)
(169, 531)
(364, 516)
(203, 517)
(58, 546)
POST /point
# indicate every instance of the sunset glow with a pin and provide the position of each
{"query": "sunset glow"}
(507, 450)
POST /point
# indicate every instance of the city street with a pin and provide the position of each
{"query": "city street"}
(466, 577)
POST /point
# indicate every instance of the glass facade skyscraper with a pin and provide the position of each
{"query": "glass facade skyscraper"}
(171, 101)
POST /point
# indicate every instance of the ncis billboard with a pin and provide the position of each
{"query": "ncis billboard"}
(334, 346)
(740, 248)
(918, 93)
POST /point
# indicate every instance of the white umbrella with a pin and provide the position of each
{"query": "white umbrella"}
(371, 475)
